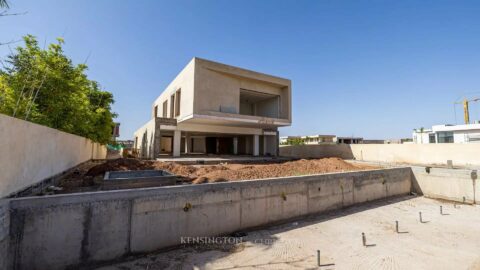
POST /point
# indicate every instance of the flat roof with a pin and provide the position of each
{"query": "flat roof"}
(455, 127)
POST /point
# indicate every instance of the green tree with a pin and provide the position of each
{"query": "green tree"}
(45, 87)
(295, 141)
(3, 4)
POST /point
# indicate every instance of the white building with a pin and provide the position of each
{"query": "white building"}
(319, 139)
(448, 134)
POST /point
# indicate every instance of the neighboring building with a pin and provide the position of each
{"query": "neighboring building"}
(212, 108)
(286, 139)
(322, 139)
(372, 141)
(318, 139)
(349, 140)
(469, 133)
(115, 131)
(127, 144)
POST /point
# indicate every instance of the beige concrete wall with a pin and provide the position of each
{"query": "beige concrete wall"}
(4, 233)
(144, 137)
(31, 153)
(185, 82)
(447, 184)
(460, 154)
(218, 85)
(53, 232)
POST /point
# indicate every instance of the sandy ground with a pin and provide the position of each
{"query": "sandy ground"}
(449, 241)
(89, 176)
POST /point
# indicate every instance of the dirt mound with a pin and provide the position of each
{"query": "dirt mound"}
(121, 164)
(86, 175)
(233, 172)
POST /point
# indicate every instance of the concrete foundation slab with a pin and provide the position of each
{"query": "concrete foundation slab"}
(445, 242)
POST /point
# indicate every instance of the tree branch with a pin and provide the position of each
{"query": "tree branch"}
(9, 42)
(4, 13)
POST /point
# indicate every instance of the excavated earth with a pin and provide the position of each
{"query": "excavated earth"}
(90, 174)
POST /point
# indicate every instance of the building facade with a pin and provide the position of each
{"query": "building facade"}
(469, 133)
(318, 139)
(213, 108)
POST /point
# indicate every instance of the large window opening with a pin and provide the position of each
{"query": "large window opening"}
(178, 96)
(259, 104)
(172, 105)
(165, 109)
(445, 137)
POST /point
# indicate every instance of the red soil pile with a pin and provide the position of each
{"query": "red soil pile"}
(233, 172)
(230, 172)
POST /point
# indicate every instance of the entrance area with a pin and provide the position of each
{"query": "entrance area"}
(196, 143)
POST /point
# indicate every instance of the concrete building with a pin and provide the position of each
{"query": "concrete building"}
(349, 140)
(213, 108)
(285, 139)
(469, 133)
(318, 139)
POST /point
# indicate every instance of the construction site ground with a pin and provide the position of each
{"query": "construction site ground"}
(88, 176)
(442, 241)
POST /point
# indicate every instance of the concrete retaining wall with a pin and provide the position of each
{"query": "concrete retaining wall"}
(447, 184)
(4, 232)
(69, 230)
(33, 153)
(429, 154)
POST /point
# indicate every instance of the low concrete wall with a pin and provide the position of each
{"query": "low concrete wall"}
(81, 229)
(4, 232)
(32, 153)
(429, 154)
(448, 184)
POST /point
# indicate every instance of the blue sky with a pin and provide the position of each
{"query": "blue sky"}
(375, 69)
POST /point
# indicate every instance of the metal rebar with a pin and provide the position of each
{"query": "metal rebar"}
(364, 239)
(318, 257)
(396, 226)
(441, 210)
(420, 215)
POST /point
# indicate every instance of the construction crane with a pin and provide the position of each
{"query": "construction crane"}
(466, 112)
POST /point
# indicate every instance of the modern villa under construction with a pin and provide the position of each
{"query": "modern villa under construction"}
(213, 108)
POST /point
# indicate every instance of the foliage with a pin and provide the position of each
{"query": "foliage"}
(45, 87)
(295, 141)
(4, 4)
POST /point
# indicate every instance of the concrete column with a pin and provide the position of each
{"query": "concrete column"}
(277, 144)
(265, 144)
(256, 145)
(188, 143)
(235, 145)
(177, 139)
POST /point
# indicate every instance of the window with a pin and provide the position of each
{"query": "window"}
(445, 137)
(155, 111)
(177, 102)
(431, 138)
(164, 109)
(172, 105)
(259, 104)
